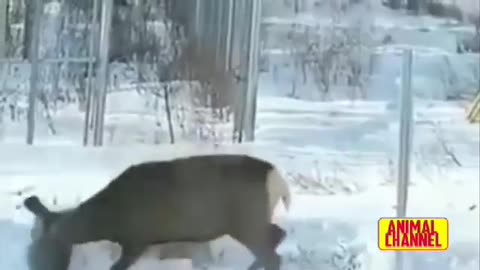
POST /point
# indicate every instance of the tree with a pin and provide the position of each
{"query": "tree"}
(395, 4)
(27, 27)
(336, 55)
(3, 27)
(413, 5)
(324, 58)
(296, 6)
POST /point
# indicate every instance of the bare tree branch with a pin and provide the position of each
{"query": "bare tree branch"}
(445, 148)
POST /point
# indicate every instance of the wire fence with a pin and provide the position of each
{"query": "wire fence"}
(62, 45)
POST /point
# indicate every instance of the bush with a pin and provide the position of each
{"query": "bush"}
(438, 9)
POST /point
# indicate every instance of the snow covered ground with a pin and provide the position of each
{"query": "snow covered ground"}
(339, 157)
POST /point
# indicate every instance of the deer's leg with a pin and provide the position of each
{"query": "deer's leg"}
(130, 254)
(277, 235)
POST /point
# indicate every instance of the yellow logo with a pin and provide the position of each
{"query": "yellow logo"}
(421, 234)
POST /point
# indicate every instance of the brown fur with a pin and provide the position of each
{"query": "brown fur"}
(195, 199)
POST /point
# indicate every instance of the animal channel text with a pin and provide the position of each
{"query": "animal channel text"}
(419, 234)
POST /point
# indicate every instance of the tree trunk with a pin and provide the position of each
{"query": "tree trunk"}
(413, 5)
(168, 113)
(28, 24)
(3, 27)
(296, 6)
(395, 4)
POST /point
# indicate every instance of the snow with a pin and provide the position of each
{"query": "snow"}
(338, 157)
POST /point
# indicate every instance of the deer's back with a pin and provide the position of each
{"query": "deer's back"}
(187, 199)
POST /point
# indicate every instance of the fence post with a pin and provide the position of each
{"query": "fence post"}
(33, 91)
(405, 143)
(102, 73)
(229, 37)
(219, 35)
(93, 56)
(252, 84)
(3, 28)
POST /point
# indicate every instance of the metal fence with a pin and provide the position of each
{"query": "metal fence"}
(230, 28)
(35, 61)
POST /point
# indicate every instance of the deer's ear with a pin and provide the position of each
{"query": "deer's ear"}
(34, 205)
